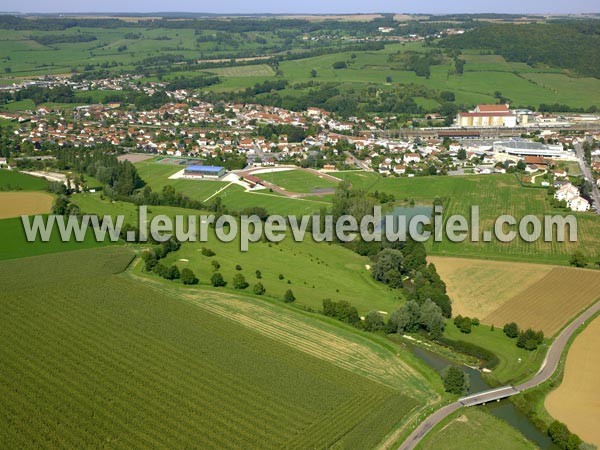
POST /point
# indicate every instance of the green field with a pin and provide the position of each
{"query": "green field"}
(313, 271)
(298, 180)
(474, 429)
(234, 197)
(102, 360)
(515, 363)
(495, 195)
(16, 181)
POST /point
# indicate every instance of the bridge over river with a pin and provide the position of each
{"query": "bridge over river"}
(549, 366)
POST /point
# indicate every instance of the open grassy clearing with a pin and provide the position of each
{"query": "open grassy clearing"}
(474, 429)
(515, 364)
(549, 304)
(495, 195)
(16, 181)
(300, 181)
(15, 204)
(115, 361)
(576, 402)
(313, 271)
(478, 287)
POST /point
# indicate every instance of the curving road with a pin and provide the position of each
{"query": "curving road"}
(549, 366)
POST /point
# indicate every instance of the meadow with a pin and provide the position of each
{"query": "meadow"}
(102, 359)
(514, 364)
(15, 204)
(575, 401)
(313, 271)
(474, 429)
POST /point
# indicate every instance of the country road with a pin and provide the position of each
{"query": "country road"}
(549, 366)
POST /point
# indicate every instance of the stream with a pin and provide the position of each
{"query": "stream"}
(503, 409)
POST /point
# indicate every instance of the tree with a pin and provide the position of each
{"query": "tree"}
(389, 264)
(172, 273)
(456, 381)
(374, 321)
(259, 289)
(578, 259)
(559, 433)
(529, 339)
(521, 165)
(511, 330)
(207, 252)
(215, 264)
(258, 274)
(238, 267)
(462, 154)
(463, 324)
(313, 73)
(289, 296)
(188, 277)
(239, 282)
(217, 280)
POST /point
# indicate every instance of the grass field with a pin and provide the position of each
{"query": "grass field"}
(16, 181)
(258, 70)
(234, 197)
(15, 204)
(300, 181)
(495, 195)
(313, 271)
(474, 429)
(576, 401)
(15, 244)
(550, 303)
(103, 360)
(515, 364)
(478, 287)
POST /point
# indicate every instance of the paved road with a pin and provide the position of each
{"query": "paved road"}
(548, 368)
(587, 173)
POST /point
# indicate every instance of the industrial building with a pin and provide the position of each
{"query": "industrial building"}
(522, 148)
(214, 172)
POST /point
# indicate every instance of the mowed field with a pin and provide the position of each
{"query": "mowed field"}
(103, 360)
(477, 287)
(301, 181)
(537, 296)
(550, 303)
(475, 429)
(15, 181)
(576, 401)
(15, 204)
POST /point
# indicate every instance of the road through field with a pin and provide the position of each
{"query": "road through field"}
(549, 366)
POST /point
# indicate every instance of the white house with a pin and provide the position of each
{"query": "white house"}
(579, 204)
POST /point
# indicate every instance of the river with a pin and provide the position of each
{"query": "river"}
(503, 409)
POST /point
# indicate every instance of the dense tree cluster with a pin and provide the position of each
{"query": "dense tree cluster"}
(528, 339)
(456, 381)
(573, 45)
(342, 311)
(413, 317)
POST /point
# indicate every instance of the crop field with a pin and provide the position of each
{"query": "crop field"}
(313, 271)
(576, 402)
(478, 287)
(258, 70)
(15, 204)
(300, 181)
(15, 244)
(101, 359)
(474, 429)
(495, 195)
(550, 303)
(16, 181)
